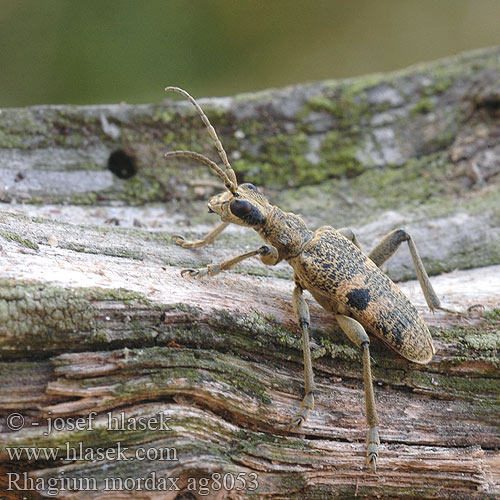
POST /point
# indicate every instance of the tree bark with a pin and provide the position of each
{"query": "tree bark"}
(95, 317)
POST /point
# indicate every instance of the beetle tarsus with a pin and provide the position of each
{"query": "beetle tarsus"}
(178, 239)
(452, 311)
(371, 461)
(198, 273)
(302, 414)
(372, 442)
(190, 273)
(297, 421)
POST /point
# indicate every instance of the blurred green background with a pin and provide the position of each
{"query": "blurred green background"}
(94, 51)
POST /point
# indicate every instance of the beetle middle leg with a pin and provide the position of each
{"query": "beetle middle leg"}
(350, 235)
(386, 248)
(355, 331)
(301, 310)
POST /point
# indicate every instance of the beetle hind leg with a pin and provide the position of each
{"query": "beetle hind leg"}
(301, 310)
(386, 248)
(355, 331)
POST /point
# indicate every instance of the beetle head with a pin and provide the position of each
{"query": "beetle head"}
(247, 206)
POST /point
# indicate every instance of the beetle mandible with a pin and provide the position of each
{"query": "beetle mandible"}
(329, 264)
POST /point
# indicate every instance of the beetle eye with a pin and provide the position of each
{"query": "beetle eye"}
(249, 186)
(240, 207)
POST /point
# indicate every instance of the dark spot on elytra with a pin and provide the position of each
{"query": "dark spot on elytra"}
(359, 298)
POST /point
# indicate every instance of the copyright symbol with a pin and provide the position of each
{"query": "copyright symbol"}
(15, 421)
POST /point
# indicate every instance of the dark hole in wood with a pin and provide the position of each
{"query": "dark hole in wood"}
(122, 164)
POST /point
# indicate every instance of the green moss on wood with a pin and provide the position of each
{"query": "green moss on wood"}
(346, 102)
(478, 343)
(9, 141)
(338, 157)
(25, 242)
(424, 106)
(44, 319)
(155, 372)
(411, 184)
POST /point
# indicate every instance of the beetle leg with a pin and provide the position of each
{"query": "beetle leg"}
(212, 269)
(386, 248)
(207, 240)
(349, 234)
(355, 331)
(301, 310)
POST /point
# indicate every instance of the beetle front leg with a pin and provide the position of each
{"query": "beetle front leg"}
(355, 331)
(301, 311)
(207, 240)
(266, 253)
(386, 249)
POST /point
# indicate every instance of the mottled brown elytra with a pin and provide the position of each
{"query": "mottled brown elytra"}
(330, 264)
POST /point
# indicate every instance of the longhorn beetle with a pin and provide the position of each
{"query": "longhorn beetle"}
(330, 264)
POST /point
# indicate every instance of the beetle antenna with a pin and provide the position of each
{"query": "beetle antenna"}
(207, 161)
(211, 131)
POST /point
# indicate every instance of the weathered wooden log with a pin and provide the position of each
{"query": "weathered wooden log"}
(96, 322)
